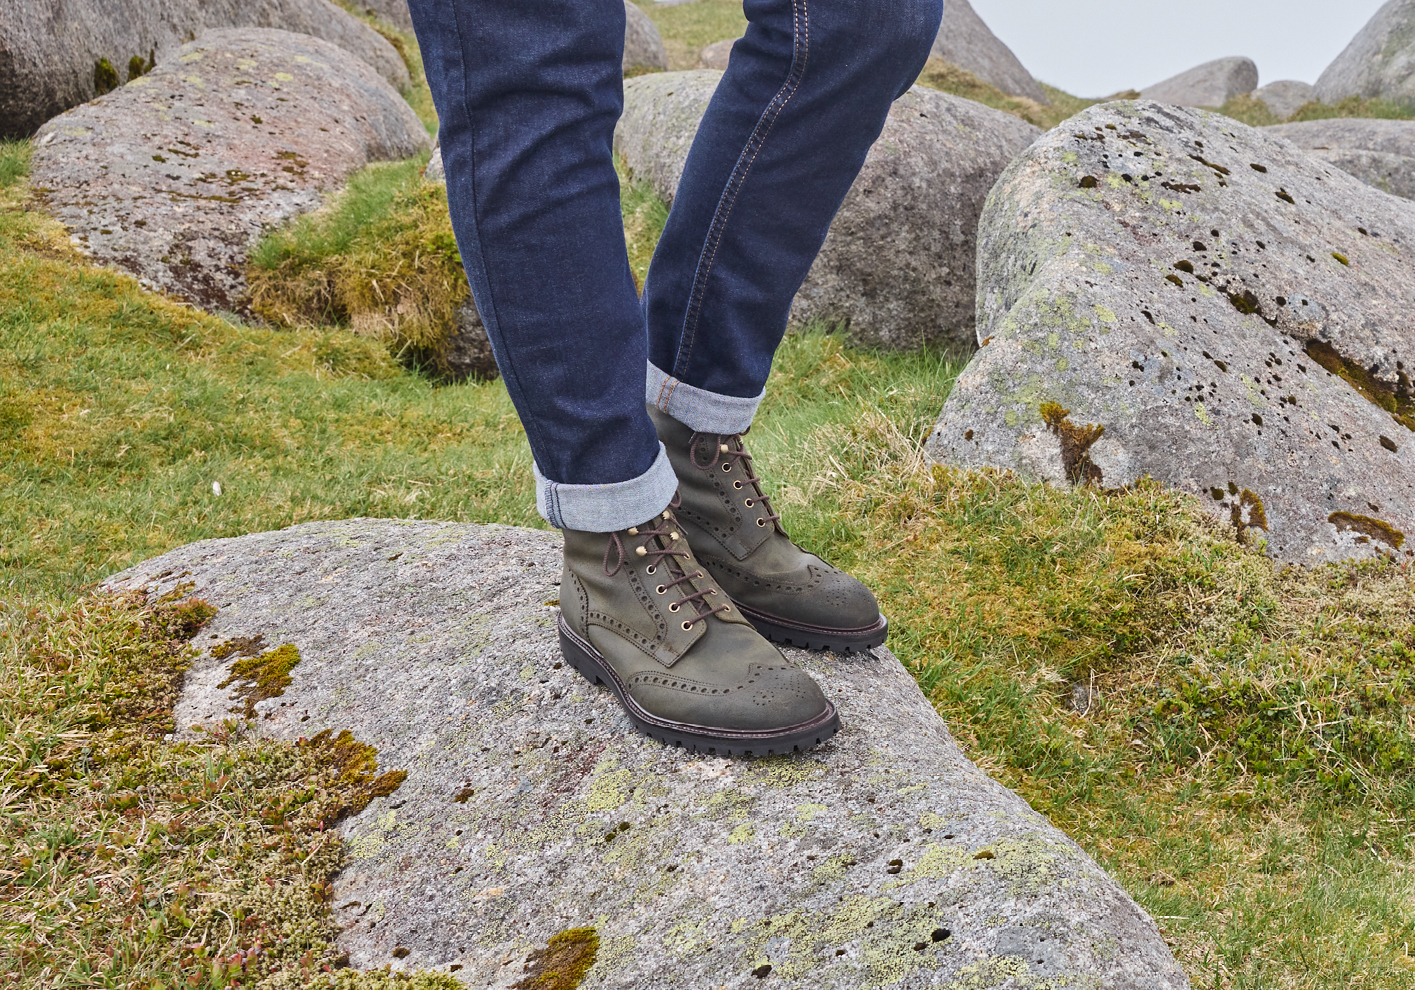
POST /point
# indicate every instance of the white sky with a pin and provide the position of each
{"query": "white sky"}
(1098, 47)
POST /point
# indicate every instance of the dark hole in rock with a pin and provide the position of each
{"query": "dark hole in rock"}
(940, 934)
(1089, 182)
(762, 972)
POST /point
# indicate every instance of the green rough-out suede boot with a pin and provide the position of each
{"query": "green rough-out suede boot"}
(640, 615)
(790, 595)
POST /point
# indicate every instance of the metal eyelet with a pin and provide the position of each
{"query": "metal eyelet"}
(736, 484)
(748, 503)
(726, 468)
(651, 569)
(727, 608)
(687, 627)
(761, 523)
(712, 591)
(674, 607)
(662, 589)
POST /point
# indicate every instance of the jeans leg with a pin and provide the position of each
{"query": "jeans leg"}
(528, 93)
(805, 94)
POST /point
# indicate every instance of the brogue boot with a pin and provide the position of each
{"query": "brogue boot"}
(791, 596)
(639, 614)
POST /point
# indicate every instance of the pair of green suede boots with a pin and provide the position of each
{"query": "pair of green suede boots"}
(674, 615)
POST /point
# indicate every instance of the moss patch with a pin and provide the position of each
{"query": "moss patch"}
(562, 963)
(261, 677)
(105, 77)
(1076, 443)
(130, 861)
(1399, 402)
(1370, 528)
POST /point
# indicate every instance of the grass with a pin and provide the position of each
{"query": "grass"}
(690, 27)
(128, 860)
(949, 78)
(1232, 740)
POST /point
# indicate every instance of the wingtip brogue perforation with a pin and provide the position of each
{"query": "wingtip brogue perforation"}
(790, 595)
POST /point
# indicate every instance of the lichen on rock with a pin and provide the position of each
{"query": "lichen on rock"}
(531, 813)
(1235, 313)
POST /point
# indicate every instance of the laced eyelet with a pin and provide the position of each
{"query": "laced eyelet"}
(748, 503)
(687, 626)
(727, 608)
(761, 523)
(712, 591)
(674, 607)
(736, 484)
(662, 589)
(651, 569)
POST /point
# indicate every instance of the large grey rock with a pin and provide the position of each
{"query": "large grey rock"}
(898, 264)
(1380, 153)
(1209, 85)
(50, 49)
(964, 40)
(176, 175)
(716, 55)
(1183, 283)
(1379, 62)
(1285, 97)
(643, 46)
(882, 859)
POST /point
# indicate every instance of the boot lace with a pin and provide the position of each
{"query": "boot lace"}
(658, 549)
(730, 451)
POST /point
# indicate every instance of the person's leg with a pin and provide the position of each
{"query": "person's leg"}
(805, 95)
(528, 93)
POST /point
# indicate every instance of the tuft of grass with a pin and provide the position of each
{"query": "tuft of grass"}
(1250, 111)
(644, 217)
(688, 28)
(1354, 106)
(130, 860)
(949, 78)
(14, 161)
(380, 259)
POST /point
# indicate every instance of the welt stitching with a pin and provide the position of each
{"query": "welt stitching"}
(755, 143)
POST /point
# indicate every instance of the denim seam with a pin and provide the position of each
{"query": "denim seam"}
(755, 143)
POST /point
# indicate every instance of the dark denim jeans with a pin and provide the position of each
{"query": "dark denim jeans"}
(528, 93)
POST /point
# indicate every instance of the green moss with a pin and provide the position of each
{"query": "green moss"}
(1354, 106)
(1076, 442)
(264, 676)
(1248, 512)
(1371, 528)
(1398, 401)
(562, 963)
(137, 66)
(105, 77)
(215, 856)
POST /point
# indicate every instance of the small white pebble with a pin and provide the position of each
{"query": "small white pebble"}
(216, 488)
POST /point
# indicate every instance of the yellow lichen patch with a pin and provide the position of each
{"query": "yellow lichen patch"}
(264, 676)
(562, 963)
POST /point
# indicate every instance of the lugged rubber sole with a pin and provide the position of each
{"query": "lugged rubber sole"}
(807, 637)
(695, 738)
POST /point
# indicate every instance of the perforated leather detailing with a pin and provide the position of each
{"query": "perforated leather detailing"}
(582, 603)
(671, 683)
(818, 577)
(773, 685)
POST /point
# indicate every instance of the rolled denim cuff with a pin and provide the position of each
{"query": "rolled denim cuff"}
(699, 409)
(607, 508)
